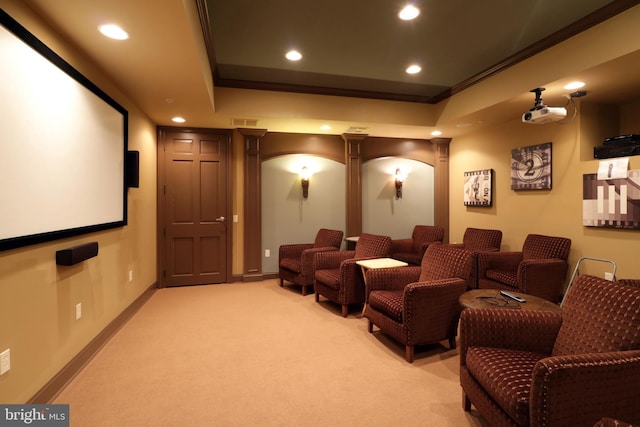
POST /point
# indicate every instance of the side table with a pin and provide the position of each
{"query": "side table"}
(491, 298)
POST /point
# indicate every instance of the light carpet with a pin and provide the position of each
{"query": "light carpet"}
(256, 354)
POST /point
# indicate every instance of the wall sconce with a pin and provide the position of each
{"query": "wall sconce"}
(304, 180)
(400, 177)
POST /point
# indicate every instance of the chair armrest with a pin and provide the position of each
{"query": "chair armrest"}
(390, 279)
(431, 309)
(401, 245)
(542, 277)
(293, 250)
(330, 259)
(425, 245)
(583, 388)
(308, 256)
(505, 261)
(527, 330)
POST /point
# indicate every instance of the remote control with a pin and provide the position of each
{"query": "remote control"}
(513, 297)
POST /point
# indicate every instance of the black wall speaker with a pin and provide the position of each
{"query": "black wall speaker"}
(77, 254)
(132, 169)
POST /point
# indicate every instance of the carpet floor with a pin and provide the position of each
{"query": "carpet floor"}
(257, 354)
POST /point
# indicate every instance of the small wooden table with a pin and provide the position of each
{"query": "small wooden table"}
(366, 264)
(491, 298)
(352, 241)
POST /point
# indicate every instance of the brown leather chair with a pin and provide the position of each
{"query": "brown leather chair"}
(540, 269)
(411, 250)
(479, 240)
(295, 261)
(337, 276)
(419, 305)
(555, 368)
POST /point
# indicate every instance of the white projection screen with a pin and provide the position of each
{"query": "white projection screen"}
(63, 145)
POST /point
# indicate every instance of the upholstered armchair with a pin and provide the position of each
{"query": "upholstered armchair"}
(419, 305)
(540, 269)
(295, 261)
(555, 368)
(479, 240)
(337, 276)
(411, 250)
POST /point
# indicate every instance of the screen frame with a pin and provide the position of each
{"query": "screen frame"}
(30, 40)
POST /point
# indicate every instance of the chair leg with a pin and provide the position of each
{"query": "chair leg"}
(317, 297)
(466, 403)
(281, 282)
(370, 327)
(304, 290)
(452, 342)
(409, 353)
(345, 310)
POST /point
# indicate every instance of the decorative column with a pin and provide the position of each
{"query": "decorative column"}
(353, 162)
(441, 185)
(252, 205)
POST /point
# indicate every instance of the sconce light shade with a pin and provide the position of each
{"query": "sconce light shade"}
(399, 180)
(304, 180)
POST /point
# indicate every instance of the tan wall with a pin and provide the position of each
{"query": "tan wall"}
(38, 298)
(559, 210)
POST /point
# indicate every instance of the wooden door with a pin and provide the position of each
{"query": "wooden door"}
(193, 206)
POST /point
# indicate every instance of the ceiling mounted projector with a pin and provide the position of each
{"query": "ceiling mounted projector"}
(540, 113)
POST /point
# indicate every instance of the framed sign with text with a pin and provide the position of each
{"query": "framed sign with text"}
(478, 188)
(531, 167)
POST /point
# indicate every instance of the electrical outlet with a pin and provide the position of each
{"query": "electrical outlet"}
(608, 276)
(130, 276)
(78, 310)
(267, 253)
(235, 218)
(5, 361)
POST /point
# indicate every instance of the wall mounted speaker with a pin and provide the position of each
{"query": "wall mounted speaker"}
(132, 169)
(77, 254)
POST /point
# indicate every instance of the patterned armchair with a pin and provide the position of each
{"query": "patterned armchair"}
(337, 276)
(412, 250)
(545, 368)
(479, 240)
(419, 305)
(539, 269)
(295, 261)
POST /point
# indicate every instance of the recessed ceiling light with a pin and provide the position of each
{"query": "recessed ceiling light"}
(413, 69)
(574, 85)
(325, 127)
(436, 133)
(409, 12)
(293, 55)
(178, 120)
(113, 32)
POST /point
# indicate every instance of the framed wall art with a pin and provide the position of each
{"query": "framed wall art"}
(531, 167)
(478, 189)
(611, 203)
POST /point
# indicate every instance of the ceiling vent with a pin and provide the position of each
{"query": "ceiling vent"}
(244, 122)
(357, 129)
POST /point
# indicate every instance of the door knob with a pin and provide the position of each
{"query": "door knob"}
(221, 219)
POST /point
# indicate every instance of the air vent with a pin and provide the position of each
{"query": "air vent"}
(244, 122)
(357, 129)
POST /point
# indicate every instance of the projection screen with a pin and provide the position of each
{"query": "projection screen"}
(63, 145)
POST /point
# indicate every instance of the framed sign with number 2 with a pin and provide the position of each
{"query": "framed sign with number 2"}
(531, 167)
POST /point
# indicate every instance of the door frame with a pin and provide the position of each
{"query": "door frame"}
(161, 183)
